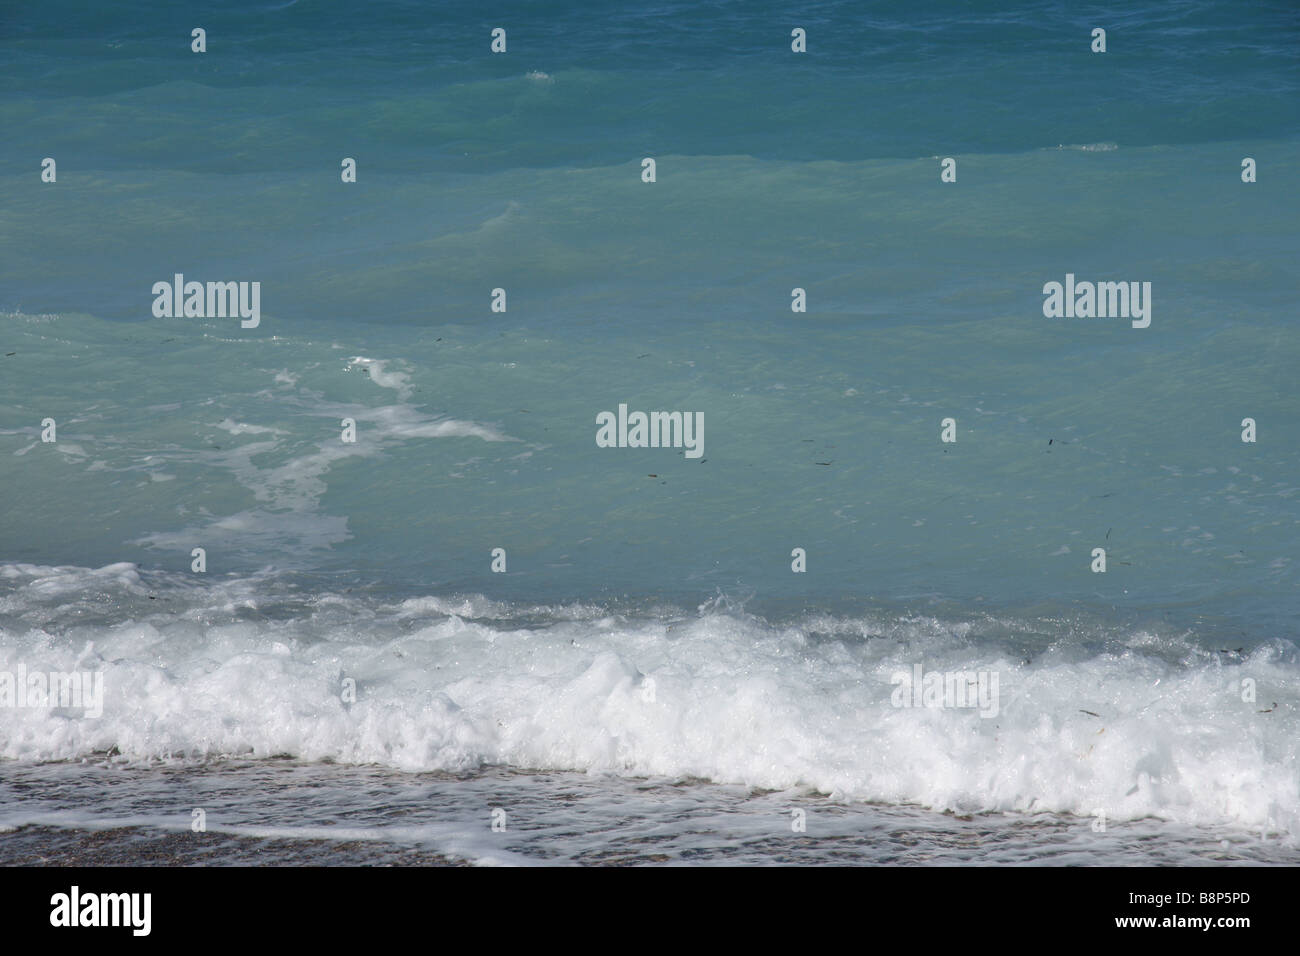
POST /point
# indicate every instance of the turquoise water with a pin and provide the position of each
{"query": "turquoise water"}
(476, 429)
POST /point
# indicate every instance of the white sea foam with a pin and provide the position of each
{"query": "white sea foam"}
(289, 477)
(242, 428)
(1130, 724)
(1091, 147)
(381, 376)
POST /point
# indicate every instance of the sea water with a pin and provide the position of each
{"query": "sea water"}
(478, 596)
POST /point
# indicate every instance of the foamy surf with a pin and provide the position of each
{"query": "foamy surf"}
(1122, 724)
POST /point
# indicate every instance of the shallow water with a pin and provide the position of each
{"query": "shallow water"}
(277, 812)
